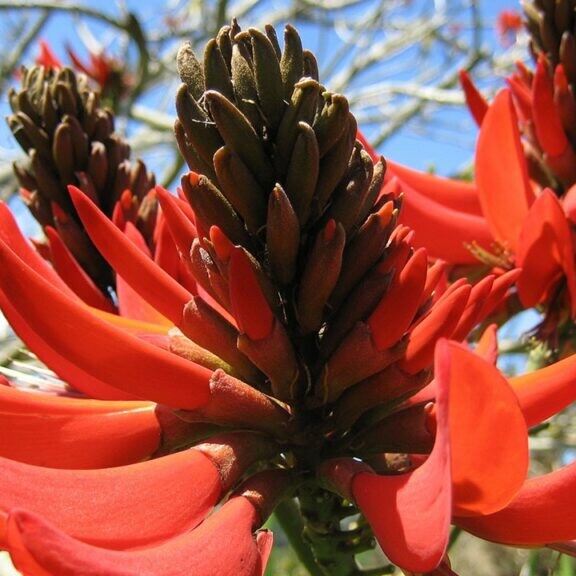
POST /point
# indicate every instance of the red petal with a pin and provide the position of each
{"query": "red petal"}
(545, 251)
(249, 305)
(73, 274)
(443, 231)
(489, 442)
(439, 323)
(123, 507)
(389, 321)
(180, 225)
(76, 377)
(150, 281)
(547, 121)
(10, 234)
(545, 392)
(456, 194)
(97, 348)
(501, 172)
(130, 303)
(75, 433)
(410, 513)
(543, 511)
(224, 545)
(476, 103)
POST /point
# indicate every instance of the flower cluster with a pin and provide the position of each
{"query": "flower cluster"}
(269, 339)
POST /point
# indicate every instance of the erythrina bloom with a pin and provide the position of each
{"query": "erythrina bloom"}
(520, 209)
(305, 356)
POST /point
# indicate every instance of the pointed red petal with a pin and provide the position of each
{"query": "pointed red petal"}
(439, 323)
(388, 321)
(149, 280)
(545, 392)
(505, 194)
(130, 303)
(98, 348)
(547, 121)
(543, 511)
(180, 225)
(410, 513)
(11, 235)
(545, 251)
(123, 507)
(200, 552)
(489, 442)
(249, 305)
(455, 194)
(487, 346)
(476, 103)
(75, 433)
(76, 377)
(73, 274)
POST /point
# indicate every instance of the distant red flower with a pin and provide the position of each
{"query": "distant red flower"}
(508, 24)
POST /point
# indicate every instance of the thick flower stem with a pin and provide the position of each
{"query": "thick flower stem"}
(288, 515)
(333, 546)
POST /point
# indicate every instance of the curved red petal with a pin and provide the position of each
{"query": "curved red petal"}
(545, 251)
(73, 274)
(456, 194)
(123, 507)
(10, 234)
(543, 511)
(446, 233)
(224, 545)
(76, 377)
(75, 433)
(505, 194)
(489, 441)
(410, 513)
(545, 392)
(149, 280)
(97, 348)
(130, 303)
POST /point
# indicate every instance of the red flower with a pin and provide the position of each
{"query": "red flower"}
(285, 340)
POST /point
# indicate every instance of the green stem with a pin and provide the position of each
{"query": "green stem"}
(288, 515)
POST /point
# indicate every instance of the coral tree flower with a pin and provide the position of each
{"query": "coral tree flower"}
(519, 211)
(303, 354)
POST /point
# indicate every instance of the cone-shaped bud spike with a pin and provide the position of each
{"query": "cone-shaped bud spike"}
(282, 236)
(321, 272)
